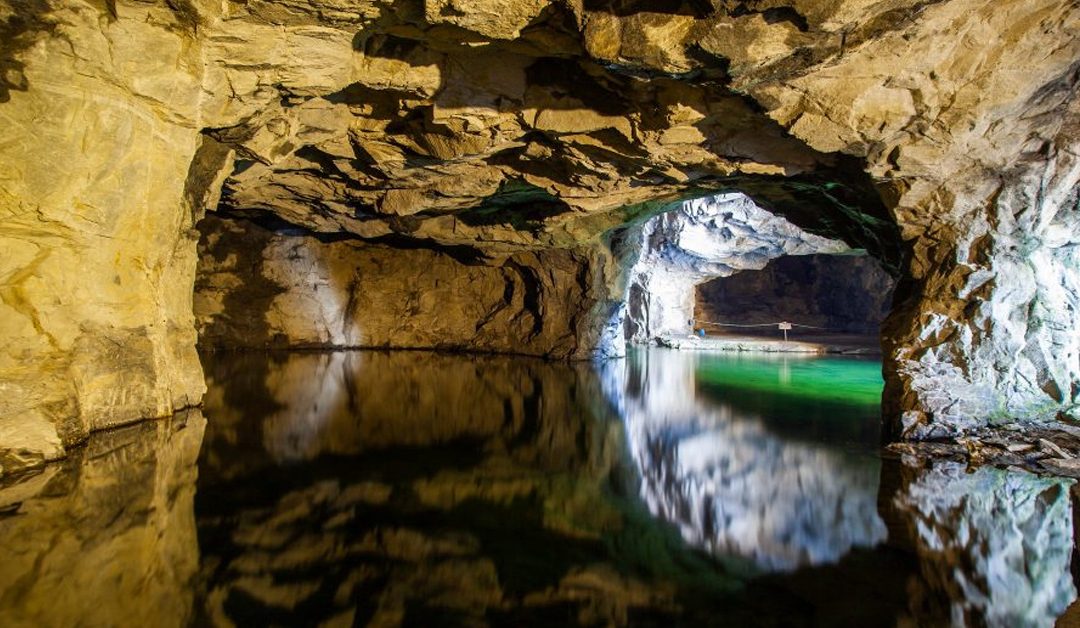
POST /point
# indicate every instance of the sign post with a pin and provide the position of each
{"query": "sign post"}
(784, 327)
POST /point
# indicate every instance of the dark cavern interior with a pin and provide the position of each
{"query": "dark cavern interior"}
(539, 312)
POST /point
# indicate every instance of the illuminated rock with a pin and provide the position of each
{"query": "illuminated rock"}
(701, 240)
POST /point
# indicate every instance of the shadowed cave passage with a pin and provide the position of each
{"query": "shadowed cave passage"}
(828, 298)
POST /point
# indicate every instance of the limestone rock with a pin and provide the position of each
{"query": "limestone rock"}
(701, 240)
(100, 130)
(940, 138)
(261, 289)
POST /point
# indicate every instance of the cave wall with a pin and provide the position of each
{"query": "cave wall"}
(841, 293)
(940, 137)
(99, 116)
(261, 288)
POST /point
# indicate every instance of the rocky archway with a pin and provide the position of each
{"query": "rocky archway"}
(515, 141)
(701, 240)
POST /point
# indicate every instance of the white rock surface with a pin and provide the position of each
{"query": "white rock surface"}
(700, 240)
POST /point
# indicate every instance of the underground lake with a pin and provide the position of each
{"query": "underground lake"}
(413, 488)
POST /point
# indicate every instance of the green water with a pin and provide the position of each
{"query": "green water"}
(828, 399)
(845, 381)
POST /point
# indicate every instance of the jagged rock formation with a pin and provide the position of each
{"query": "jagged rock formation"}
(939, 137)
(703, 239)
(839, 293)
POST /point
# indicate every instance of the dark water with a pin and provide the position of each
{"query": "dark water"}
(415, 489)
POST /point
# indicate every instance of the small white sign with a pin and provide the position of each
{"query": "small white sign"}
(784, 326)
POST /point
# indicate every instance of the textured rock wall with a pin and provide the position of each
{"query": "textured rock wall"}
(939, 137)
(258, 288)
(842, 293)
(700, 240)
(99, 112)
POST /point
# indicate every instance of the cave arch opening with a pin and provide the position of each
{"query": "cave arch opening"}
(724, 263)
(837, 301)
(726, 266)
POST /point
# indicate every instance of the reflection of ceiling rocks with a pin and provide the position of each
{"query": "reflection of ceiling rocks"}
(732, 487)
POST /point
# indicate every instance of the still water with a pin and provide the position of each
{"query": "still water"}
(407, 488)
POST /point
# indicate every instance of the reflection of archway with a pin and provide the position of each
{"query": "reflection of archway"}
(729, 482)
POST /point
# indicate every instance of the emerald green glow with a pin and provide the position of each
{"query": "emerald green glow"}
(834, 380)
(830, 400)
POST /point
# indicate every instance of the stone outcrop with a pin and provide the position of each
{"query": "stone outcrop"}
(940, 137)
(837, 293)
(99, 113)
(258, 288)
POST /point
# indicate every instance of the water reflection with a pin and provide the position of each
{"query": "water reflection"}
(421, 488)
(994, 546)
(731, 485)
(107, 536)
(415, 489)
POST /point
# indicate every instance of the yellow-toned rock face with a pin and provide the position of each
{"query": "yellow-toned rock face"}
(939, 136)
(98, 127)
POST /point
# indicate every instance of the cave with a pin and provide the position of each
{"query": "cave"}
(823, 297)
(463, 313)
